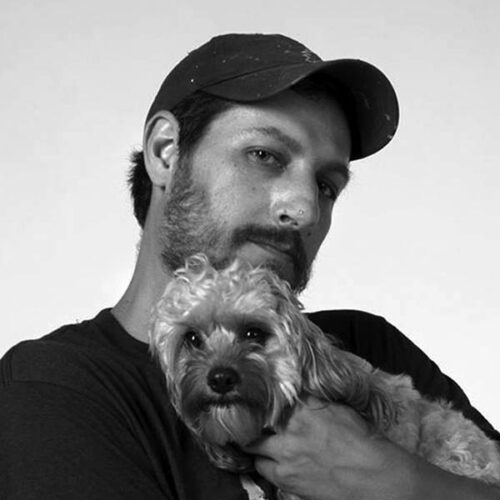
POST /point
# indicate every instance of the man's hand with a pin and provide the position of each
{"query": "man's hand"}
(328, 452)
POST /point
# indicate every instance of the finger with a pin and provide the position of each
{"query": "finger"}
(268, 447)
(266, 468)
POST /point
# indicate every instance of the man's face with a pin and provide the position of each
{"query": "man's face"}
(260, 184)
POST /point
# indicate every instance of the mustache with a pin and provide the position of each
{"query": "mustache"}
(287, 241)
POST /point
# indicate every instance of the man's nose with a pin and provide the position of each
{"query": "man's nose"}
(295, 204)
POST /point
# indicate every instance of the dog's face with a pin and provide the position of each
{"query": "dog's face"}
(237, 352)
(226, 347)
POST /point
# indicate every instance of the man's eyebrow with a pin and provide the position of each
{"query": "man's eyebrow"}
(295, 146)
(276, 133)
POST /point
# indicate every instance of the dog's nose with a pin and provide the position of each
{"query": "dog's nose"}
(222, 380)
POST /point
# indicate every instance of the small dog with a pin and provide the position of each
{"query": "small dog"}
(238, 354)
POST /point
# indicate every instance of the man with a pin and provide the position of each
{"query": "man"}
(246, 148)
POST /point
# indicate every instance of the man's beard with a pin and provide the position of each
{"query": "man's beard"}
(189, 228)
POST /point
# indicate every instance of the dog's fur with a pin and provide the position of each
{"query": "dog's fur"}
(249, 322)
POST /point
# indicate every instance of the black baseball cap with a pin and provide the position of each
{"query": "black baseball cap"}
(253, 67)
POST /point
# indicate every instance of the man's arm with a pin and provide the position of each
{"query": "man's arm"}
(327, 452)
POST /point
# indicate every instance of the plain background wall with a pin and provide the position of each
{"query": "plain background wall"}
(416, 237)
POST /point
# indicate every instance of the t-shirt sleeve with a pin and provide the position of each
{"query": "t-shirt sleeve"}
(61, 442)
(384, 346)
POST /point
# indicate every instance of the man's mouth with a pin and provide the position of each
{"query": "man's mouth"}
(275, 248)
(279, 249)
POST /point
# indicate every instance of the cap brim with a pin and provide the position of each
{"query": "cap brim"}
(374, 103)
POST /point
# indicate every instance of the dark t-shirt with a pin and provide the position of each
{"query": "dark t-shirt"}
(84, 413)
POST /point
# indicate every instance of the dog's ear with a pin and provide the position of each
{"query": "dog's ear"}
(335, 375)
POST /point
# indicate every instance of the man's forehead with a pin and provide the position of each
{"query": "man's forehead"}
(320, 124)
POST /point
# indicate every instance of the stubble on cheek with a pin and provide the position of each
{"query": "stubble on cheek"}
(186, 229)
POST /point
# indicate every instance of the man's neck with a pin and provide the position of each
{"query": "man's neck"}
(133, 310)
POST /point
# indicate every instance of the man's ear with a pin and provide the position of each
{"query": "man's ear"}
(161, 138)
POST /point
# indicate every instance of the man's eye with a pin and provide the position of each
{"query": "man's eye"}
(264, 157)
(193, 339)
(328, 190)
(255, 334)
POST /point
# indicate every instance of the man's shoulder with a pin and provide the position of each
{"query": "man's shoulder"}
(76, 356)
(346, 322)
(365, 334)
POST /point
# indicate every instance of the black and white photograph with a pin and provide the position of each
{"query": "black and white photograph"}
(250, 250)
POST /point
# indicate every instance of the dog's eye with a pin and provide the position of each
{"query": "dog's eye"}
(255, 334)
(193, 339)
